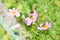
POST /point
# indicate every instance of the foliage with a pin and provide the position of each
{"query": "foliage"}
(48, 10)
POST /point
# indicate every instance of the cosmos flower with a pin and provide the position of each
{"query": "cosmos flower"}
(44, 26)
(28, 21)
(32, 18)
(13, 12)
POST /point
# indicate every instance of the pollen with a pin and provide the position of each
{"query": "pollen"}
(32, 18)
(44, 26)
(13, 12)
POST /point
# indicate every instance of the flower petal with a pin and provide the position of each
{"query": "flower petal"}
(10, 10)
(35, 14)
(10, 15)
(41, 25)
(40, 28)
(17, 15)
(13, 9)
(28, 21)
(13, 12)
(48, 24)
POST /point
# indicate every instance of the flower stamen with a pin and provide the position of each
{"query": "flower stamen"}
(13, 12)
(44, 26)
(32, 17)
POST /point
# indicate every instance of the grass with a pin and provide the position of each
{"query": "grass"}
(48, 10)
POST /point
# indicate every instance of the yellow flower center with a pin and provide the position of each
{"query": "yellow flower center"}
(44, 26)
(13, 12)
(32, 18)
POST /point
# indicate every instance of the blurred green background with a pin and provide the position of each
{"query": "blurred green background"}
(48, 10)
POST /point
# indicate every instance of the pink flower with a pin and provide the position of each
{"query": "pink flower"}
(44, 26)
(35, 14)
(28, 21)
(13, 12)
(32, 18)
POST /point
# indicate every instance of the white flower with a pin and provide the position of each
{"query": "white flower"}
(13, 12)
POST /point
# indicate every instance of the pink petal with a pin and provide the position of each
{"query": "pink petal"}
(10, 15)
(48, 24)
(35, 14)
(41, 25)
(28, 21)
(40, 28)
